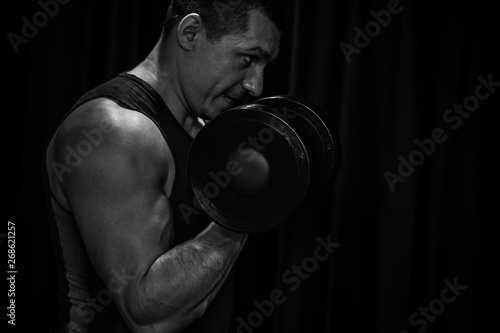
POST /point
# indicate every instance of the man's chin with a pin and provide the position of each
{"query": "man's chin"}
(211, 115)
(217, 112)
(222, 105)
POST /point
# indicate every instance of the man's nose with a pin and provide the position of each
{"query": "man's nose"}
(254, 84)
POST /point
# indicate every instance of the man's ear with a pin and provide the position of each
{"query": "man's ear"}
(189, 30)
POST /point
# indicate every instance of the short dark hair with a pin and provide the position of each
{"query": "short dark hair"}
(224, 17)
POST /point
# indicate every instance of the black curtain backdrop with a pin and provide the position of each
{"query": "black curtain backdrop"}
(397, 246)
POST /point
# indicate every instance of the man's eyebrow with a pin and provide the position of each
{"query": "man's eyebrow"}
(264, 54)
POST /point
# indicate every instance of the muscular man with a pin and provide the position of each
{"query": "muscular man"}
(128, 259)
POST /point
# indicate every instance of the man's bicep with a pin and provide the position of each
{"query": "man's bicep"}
(119, 206)
(123, 234)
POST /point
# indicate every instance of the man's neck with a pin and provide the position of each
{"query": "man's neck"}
(160, 72)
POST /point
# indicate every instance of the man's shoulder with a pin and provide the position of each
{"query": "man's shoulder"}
(115, 123)
(101, 134)
(99, 140)
(105, 113)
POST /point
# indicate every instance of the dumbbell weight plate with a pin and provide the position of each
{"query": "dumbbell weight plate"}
(322, 147)
(248, 169)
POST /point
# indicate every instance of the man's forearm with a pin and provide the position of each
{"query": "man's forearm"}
(181, 283)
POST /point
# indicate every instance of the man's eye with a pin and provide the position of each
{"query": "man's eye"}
(247, 59)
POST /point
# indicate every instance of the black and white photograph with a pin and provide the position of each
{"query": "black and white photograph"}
(252, 166)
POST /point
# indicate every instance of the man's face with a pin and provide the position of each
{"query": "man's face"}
(219, 73)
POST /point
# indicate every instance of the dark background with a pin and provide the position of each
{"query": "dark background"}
(397, 248)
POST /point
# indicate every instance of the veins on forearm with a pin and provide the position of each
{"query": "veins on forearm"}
(187, 276)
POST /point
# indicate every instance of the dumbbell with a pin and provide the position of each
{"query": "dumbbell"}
(254, 166)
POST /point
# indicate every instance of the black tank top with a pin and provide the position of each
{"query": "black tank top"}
(77, 282)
